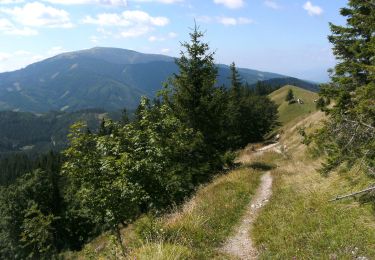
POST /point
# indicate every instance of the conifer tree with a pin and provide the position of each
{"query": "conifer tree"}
(236, 82)
(349, 134)
(234, 108)
(289, 96)
(195, 99)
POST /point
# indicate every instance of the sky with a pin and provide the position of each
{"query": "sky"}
(282, 36)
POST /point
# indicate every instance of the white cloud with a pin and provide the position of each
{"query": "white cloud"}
(10, 1)
(272, 4)
(88, 2)
(232, 4)
(38, 15)
(7, 27)
(227, 21)
(135, 31)
(158, 1)
(231, 21)
(154, 38)
(312, 10)
(127, 18)
(106, 19)
(133, 23)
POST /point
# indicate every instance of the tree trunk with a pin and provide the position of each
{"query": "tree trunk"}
(119, 239)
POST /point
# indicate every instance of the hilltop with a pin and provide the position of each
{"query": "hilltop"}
(289, 112)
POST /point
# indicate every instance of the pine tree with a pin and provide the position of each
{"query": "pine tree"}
(236, 82)
(234, 109)
(349, 135)
(125, 117)
(195, 99)
(289, 96)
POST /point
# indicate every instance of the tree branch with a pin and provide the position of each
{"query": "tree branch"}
(353, 194)
(359, 122)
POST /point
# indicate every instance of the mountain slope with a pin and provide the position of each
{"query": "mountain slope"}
(108, 78)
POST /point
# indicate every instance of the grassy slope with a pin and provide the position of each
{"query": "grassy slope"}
(290, 112)
(192, 232)
(299, 222)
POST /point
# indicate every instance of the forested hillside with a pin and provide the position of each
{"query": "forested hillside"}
(39, 133)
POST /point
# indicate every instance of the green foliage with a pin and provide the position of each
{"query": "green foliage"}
(102, 190)
(15, 165)
(149, 164)
(289, 96)
(320, 103)
(195, 99)
(37, 134)
(228, 159)
(27, 220)
(249, 116)
(262, 88)
(349, 134)
(37, 234)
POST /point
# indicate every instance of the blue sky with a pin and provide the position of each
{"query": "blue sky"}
(283, 36)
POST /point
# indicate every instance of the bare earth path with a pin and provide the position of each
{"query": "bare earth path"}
(241, 245)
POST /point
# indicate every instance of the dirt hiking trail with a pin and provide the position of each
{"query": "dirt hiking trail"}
(240, 245)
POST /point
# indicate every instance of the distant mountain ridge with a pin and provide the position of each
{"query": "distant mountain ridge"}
(107, 78)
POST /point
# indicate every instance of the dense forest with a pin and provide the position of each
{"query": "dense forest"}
(108, 177)
(38, 133)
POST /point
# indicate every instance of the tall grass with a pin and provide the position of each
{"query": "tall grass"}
(307, 226)
(206, 221)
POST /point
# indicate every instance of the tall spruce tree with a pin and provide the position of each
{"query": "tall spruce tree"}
(236, 82)
(195, 99)
(349, 134)
(234, 108)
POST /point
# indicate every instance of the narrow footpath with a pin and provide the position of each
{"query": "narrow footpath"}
(241, 244)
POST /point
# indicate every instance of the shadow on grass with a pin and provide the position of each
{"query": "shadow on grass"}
(262, 166)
